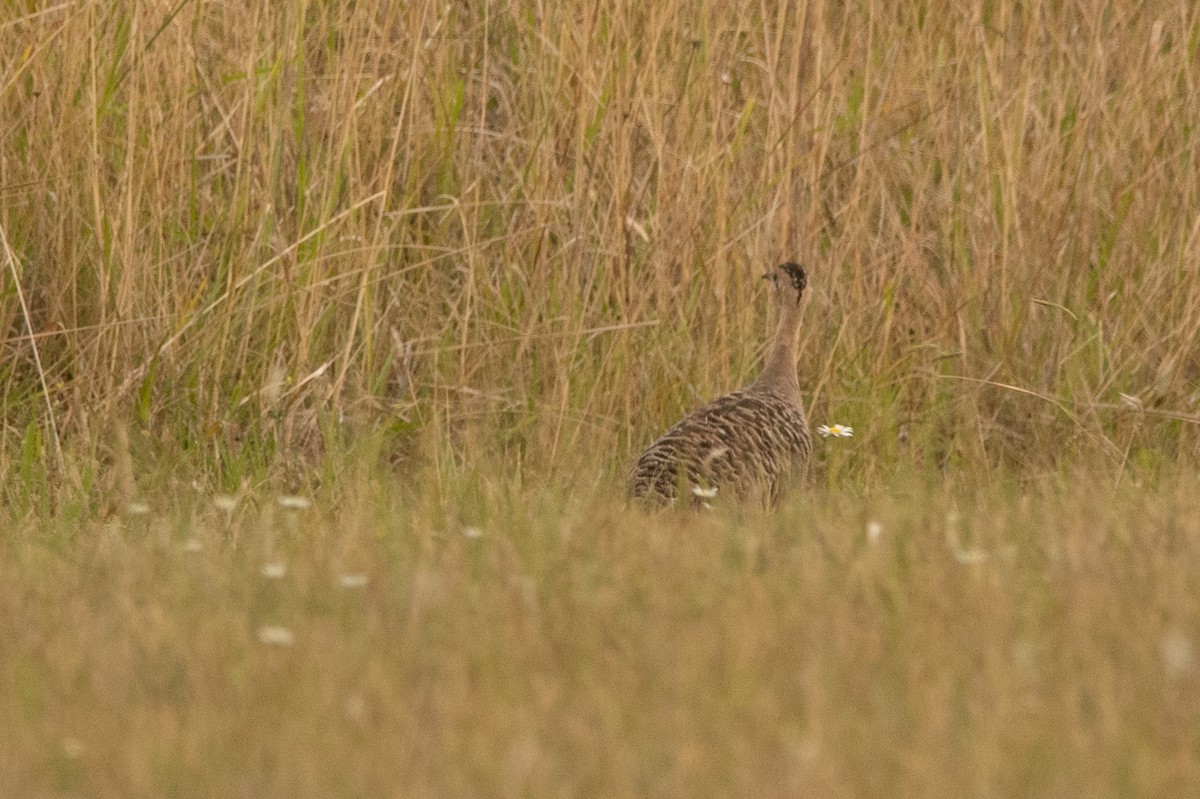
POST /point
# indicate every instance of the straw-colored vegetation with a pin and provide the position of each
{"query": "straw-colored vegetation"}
(442, 269)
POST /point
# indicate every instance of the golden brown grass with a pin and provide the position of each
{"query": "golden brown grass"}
(536, 227)
(448, 265)
(982, 643)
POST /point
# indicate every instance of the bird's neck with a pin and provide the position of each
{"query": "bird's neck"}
(779, 372)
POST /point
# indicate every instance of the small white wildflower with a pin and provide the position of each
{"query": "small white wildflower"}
(193, 545)
(969, 557)
(137, 508)
(472, 533)
(224, 502)
(294, 503)
(1177, 652)
(874, 531)
(837, 430)
(353, 580)
(704, 493)
(274, 570)
(274, 635)
(72, 747)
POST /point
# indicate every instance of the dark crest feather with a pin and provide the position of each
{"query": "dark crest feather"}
(796, 273)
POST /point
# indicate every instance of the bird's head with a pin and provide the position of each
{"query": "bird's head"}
(787, 283)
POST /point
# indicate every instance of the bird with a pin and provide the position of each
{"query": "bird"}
(746, 443)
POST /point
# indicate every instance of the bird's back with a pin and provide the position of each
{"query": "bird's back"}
(743, 443)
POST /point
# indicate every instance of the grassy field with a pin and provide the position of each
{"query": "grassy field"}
(919, 642)
(330, 328)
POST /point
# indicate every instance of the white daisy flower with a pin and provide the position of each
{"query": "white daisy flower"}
(274, 635)
(838, 430)
(275, 570)
(874, 531)
(704, 493)
(225, 502)
(352, 580)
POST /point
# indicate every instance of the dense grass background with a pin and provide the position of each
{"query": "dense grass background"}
(445, 267)
(530, 233)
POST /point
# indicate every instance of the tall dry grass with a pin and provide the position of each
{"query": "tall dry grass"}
(530, 231)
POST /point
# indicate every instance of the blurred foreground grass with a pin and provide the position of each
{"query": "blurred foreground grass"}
(923, 640)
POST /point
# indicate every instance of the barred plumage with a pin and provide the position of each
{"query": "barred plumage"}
(747, 442)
